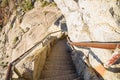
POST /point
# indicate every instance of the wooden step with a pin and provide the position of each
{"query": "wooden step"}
(59, 63)
(18, 79)
(55, 55)
(59, 67)
(54, 73)
(59, 57)
(79, 78)
(57, 60)
(63, 77)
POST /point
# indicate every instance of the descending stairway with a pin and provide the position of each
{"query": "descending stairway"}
(59, 64)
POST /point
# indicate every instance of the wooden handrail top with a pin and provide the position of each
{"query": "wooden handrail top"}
(104, 45)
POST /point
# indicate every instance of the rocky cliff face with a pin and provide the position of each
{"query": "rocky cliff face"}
(8, 6)
(87, 20)
(23, 30)
(94, 20)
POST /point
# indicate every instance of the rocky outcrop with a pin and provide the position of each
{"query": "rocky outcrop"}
(7, 7)
(87, 20)
(36, 24)
(94, 20)
(21, 33)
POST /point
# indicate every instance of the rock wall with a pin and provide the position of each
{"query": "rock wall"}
(87, 20)
(94, 20)
(23, 31)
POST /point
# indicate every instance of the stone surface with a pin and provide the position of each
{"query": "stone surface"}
(93, 20)
(18, 35)
(87, 20)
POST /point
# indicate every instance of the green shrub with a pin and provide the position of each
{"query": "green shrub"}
(44, 3)
(26, 5)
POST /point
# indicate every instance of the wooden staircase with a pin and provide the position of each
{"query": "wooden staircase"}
(59, 65)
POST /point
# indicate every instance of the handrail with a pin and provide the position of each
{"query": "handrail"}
(105, 45)
(14, 62)
(96, 44)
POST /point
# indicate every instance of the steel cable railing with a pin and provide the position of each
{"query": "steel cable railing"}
(12, 67)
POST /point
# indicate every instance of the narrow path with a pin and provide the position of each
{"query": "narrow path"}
(59, 65)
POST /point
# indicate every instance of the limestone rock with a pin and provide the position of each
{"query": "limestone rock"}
(17, 37)
(35, 23)
(93, 20)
